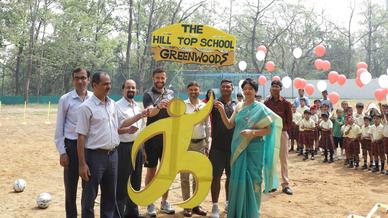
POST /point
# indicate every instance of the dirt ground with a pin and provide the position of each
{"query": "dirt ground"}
(27, 151)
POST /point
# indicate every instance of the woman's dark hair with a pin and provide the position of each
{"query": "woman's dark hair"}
(251, 82)
(207, 94)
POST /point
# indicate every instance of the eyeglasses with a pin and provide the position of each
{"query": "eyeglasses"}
(80, 78)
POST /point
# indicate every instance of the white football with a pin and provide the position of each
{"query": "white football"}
(19, 185)
(43, 200)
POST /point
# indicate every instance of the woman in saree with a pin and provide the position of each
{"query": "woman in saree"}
(254, 152)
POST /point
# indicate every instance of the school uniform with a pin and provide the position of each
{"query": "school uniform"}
(326, 140)
(351, 143)
(377, 146)
(308, 135)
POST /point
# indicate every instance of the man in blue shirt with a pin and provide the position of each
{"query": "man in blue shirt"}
(301, 95)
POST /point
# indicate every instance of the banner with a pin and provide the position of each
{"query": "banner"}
(194, 44)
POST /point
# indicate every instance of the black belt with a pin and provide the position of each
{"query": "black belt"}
(71, 140)
(105, 151)
(197, 140)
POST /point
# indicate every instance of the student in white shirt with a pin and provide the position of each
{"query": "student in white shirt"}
(66, 136)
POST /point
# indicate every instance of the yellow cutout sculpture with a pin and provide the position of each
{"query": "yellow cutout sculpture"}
(177, 131)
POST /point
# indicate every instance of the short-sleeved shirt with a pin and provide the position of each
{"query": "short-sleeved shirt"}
(296, 117)
(221, 135)
(130, 109)
(99, 122)
(365, 131)
(302, 109)
(326, 124)
(307, 124)
(385, 129)
(354, 132)
(358, 119)
(282, 108)
(337, 124)
(377, 132)
(154, 97)
(315, 118)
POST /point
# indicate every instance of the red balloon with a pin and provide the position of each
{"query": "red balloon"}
(359, 71)
(262, 80)
(270, 66)
(309, 89)
(304, 83)
(334, 97)
(380, 94)
(276, 78)
(332, 77)
(386, 91)
(326, 65)
(262, 48)
(318, 64)
(320, 50)
(359, 83)
(341, 79)
(362, 64)
(298, 83)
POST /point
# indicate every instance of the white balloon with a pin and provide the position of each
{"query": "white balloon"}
(297, 52)
(365, 77)
(383, 81)
(321, 85)
(260, 55)
(242, 65)
(240, 83)
(287, 81)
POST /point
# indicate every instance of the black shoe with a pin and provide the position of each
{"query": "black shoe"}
(306, 156)
(375, 169)
(364, 167)
(291, 150)
(331, 160)
(351, 164)
(312, 157)
(346, 162)
(325, 160)
(287, 190)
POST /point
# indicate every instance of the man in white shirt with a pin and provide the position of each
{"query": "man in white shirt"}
(98, 122)
(130, 108)
(199, 142)
(66, 137)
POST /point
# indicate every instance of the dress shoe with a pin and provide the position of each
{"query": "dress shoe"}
(187, 213)
(199, 211)
(287, 190)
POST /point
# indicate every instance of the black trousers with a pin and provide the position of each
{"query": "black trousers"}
(103, 170)
(70, 177)
(125, 206)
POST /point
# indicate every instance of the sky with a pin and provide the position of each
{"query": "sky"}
(337, 11)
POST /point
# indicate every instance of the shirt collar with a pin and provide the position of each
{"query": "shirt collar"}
(133, 103)
(97, 101)
(75, 95)
(273, 99)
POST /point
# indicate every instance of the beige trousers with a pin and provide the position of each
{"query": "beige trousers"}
(283, 156)
(185, 177)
